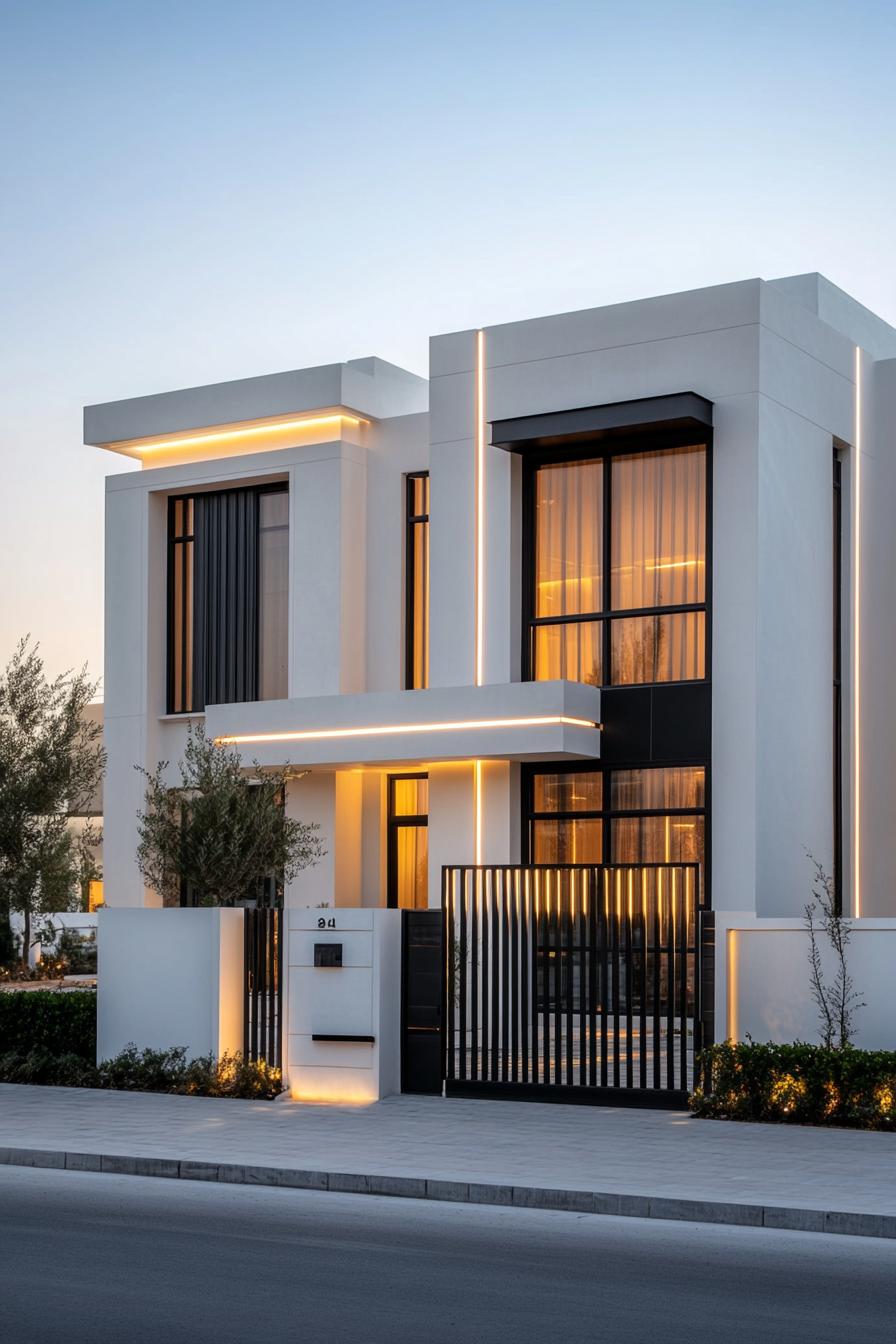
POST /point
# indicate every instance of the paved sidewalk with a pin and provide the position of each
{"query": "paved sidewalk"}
(596, 1159)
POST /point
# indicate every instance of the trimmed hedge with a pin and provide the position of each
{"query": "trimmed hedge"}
(798, 1085)
(148, 1071)
(50, 1021)
(48, 1036)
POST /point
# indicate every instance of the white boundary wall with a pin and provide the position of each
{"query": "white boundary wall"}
(762, 980)
(170, 977)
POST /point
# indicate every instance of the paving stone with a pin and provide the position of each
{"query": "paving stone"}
(490, 1194)
(860, 1224)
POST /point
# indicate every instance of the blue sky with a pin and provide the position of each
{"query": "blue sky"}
(200, 191)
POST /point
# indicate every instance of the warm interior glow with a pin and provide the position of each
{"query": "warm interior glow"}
(94, 894)
(386, 730)
(857, 642)
(480, 503)
(218, 438)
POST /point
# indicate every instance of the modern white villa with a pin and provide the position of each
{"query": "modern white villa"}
(585, 644)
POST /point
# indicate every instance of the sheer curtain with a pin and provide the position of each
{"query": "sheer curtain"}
(658, 559)
(568, 569)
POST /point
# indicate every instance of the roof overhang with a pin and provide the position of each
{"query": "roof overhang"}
(527, 720)
(681, 412)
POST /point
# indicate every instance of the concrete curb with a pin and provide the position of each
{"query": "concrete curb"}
(466, 1192)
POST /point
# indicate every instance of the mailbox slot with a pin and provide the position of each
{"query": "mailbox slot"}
(328, 955)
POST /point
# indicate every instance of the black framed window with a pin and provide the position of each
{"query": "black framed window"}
(416, 605)
(616, 588)
(581, 814)
(408, 850)
(228, 566)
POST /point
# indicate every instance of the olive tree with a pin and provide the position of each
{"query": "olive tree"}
(219, 831)
(51, 767)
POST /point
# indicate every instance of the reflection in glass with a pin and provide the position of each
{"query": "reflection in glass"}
(572, 791)
(658, 648)
(566, 840)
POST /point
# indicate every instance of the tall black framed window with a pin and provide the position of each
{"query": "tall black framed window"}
(616, 583)
(574, 813)
(416, 605)
(408, 850)
(227, 597)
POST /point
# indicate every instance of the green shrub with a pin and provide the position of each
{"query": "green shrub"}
(48, 1021)
(798, 1084)
(147, 1071)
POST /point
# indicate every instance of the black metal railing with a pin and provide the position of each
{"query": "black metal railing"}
(565, 977)
(263, 986)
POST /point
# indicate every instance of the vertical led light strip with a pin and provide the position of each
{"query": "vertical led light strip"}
(480, 507)
(857, 643)
(478, 634)
(477, 807)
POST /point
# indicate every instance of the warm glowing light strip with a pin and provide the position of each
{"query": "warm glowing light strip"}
(480, 504)
(386, 730)
(857, 641)
(732, 985)
(227, 435)
(477, 820)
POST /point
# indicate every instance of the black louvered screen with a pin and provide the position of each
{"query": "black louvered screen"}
(225, 614)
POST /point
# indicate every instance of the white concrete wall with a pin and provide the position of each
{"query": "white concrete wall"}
(359, 999)
(169, 978)
(763, 988)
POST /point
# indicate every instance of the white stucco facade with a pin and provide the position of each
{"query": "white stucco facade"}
(794, 371)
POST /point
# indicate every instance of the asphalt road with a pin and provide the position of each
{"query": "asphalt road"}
(122, 1259)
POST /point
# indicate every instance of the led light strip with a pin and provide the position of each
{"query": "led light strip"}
(480, 506)
(226, 435)
(477, 817)
(387, 730)
(857, 633)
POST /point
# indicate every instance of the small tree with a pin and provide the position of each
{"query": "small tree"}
(51, 766)
(218, 832)
(837, 1001)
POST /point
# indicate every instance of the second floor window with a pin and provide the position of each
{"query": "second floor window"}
(416, 615)
(228, 567)
(618, 567)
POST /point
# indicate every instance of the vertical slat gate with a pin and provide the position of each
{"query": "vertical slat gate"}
(263, 986)
(576, 982)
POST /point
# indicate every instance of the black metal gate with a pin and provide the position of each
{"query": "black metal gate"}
(263, 987)
(574, 983)
(421, 1001)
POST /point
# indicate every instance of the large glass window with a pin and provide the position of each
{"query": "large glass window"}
(651, 815)
(619, 568)
(408, 854)
(416, 618)
(228, 613)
